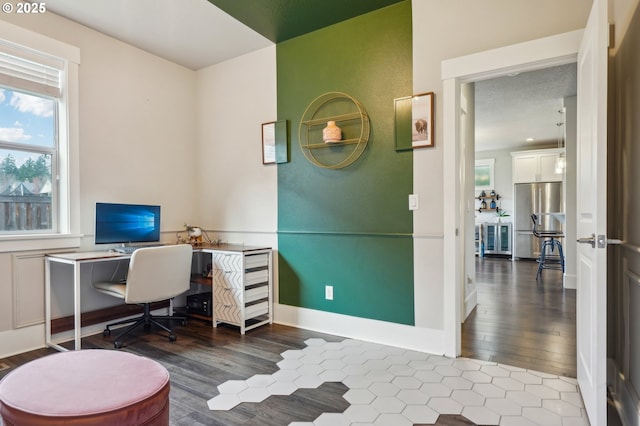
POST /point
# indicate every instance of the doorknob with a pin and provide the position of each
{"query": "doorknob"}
(589, 240)
(602, 241)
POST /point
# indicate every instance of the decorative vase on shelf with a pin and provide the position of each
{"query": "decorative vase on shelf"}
(331, 133)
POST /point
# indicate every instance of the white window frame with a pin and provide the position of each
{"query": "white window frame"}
(67, 234)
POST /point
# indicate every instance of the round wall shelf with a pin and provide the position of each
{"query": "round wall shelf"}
(349, 115)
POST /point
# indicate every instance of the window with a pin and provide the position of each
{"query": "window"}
(47, 70)
(30, 98)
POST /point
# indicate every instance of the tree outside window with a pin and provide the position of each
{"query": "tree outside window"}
(27, 160)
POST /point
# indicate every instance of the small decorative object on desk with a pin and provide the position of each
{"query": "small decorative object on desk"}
(195, 234)
(331, 133)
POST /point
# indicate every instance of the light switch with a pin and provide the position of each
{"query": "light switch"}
(414, 202)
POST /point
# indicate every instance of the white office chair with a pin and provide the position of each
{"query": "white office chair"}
(155, 274)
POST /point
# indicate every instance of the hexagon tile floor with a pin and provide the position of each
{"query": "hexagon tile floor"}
(397, 387)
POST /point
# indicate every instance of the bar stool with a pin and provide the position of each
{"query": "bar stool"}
(550, 241)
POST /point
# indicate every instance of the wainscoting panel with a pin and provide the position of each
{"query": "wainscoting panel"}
(28, 289)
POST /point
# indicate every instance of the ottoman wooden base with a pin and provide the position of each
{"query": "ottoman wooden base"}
(89, 387)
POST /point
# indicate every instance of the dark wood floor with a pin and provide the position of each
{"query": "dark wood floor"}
(520, 321)
(508, 326)
(204, 357)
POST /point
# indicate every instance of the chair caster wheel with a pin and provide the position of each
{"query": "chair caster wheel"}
(117, 344)
(106, 332)
(172, 337)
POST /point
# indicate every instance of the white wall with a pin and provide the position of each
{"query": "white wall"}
(445, 30)
(238, 195)
(137, 143)
(137, 123)
(238, 192)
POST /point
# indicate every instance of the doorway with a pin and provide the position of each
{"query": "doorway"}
(590, 47)
(520, 319)
(533, 55)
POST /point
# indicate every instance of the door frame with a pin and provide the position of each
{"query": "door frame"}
(528, 56)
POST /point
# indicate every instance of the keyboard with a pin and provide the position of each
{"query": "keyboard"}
(130, 249)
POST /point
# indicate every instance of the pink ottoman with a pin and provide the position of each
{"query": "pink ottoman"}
(88, 387)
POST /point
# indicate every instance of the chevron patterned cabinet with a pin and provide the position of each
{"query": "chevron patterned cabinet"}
(242, 286)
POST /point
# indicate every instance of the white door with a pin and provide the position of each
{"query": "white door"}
(591, 214)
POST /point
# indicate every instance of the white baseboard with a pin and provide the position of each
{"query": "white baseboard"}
(570, 281)
(13, 342)
(624, 396)
(470, 302)
(25, 339)
(387, 333)
(431, 341)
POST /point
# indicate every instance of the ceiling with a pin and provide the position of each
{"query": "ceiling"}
(200, 33)
(511, 109)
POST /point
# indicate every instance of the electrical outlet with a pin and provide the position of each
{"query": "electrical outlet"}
(328, 292)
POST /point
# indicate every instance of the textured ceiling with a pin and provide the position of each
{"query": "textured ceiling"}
(511, 109)
(280, 20)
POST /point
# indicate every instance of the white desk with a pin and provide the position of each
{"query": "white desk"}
(76, 260)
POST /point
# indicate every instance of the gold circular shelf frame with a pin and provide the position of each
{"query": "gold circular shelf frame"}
(311, 119)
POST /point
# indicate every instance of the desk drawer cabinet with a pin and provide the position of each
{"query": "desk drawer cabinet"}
(242, 288)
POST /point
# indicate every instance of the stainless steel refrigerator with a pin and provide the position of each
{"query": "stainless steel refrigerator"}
(539, 198)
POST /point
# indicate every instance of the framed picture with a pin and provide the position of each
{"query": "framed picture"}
(275, 142)
(269, 143)
(415, 123)
(484, 173)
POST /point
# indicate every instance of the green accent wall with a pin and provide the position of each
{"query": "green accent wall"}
(351, 227)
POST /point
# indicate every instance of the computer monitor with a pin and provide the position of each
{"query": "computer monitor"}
(127, 223)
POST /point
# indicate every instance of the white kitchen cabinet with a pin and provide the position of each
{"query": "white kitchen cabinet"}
(536, 166)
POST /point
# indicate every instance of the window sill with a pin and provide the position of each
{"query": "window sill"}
(13, 243)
